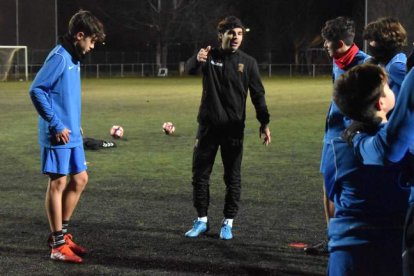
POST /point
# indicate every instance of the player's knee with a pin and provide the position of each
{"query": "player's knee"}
(81, 183)
(78, 182)
(57, 184)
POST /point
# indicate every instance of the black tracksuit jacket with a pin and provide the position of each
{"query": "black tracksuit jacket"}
(227, 78)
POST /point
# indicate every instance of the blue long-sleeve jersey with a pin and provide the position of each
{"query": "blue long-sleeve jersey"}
(370, 201)
(56, 95)
(396, 70)
(336, 122)
(397, 137)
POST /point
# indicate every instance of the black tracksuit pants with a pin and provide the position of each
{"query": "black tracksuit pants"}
(230, 141)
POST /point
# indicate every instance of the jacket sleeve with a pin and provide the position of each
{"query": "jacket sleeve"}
(398, 135)
(257, 95)
(396, 75)
(41, 88)
(370, 149)
(400, 127)
(192, 66)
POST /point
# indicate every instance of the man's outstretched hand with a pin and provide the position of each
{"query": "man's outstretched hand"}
(203, 54)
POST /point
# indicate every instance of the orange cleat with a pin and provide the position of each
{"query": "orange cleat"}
(79, 250)
(65, 254)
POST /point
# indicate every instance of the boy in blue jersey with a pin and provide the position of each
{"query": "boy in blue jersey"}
(56, 95)
(338, 35)
(386, 38)
(393, 142)
(370, 174)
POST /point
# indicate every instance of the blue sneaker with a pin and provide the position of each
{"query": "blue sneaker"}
(225, 232)
(198, 228)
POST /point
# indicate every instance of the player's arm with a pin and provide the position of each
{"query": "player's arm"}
(41, 87)
(400, 126)
(194, 63)
(396, 74)
(370, 150)
(395, 139)
(257, 95)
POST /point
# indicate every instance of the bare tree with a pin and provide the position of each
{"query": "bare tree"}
(303, 27)
(166, 22)
(287, 26)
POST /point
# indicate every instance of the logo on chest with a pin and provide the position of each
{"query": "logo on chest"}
(218, 63)
(240, 67)
(76, 67)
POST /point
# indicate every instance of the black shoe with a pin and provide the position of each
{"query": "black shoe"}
(320, 248)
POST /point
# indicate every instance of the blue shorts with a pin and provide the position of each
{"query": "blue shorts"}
(63, 161)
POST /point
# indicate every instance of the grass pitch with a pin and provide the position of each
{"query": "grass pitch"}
(138, 203)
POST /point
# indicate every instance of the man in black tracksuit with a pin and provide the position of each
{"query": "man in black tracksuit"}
(228, 74)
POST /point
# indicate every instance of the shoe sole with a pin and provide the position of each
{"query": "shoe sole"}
(197, 235)
(58, 259)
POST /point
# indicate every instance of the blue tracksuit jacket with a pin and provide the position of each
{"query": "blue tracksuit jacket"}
(396, 70)
(56, 94)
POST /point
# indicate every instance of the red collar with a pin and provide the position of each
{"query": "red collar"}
(347, 58)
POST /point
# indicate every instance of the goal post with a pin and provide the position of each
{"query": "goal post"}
(8, 58)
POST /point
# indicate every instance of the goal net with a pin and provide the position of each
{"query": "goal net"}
(13, 63)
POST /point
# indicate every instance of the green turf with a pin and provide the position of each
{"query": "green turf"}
(137, 204)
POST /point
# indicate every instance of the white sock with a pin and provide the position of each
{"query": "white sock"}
(203, 219)
(227, 221)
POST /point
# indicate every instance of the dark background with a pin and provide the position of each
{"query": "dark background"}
(169, 31)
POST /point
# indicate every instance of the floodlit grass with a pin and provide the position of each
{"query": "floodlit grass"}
(137, 205)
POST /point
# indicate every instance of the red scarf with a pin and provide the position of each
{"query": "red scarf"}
(347, 58)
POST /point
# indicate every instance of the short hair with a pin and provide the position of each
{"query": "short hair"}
(357, 91)
(228, 23)
(85, 21)
(387, 32)
(340, 28)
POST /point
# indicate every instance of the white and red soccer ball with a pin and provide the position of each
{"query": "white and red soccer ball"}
(168, 128)
(117, 132)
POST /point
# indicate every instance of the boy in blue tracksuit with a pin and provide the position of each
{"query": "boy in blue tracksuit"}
(386, 38)
(338, 35)
(372, 166)
(56, 95)
(396, 141)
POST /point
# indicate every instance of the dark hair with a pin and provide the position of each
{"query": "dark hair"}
(86, 22)
(228, 23)
(340, 28)
(388, 33)
(356, 94)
